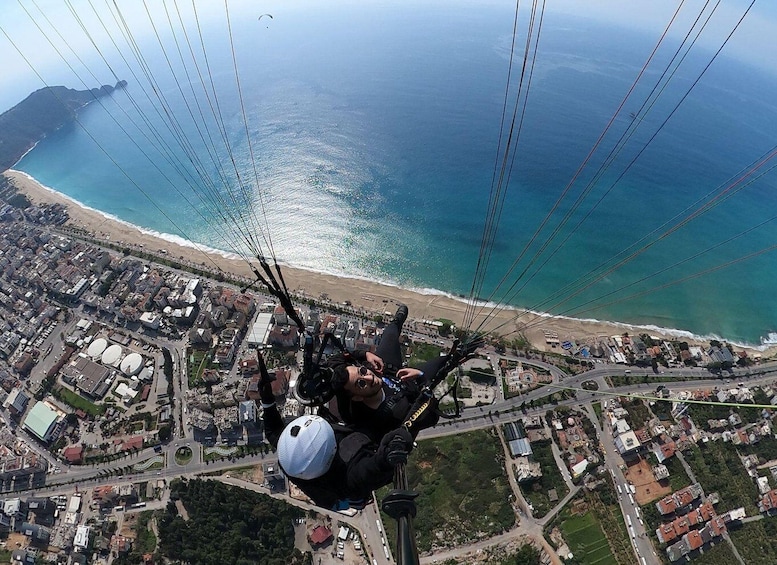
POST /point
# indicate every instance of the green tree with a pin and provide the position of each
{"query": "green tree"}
(224, 520)
(526, 555)
(164, 433)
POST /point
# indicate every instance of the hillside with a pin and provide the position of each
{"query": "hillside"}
(42, 112)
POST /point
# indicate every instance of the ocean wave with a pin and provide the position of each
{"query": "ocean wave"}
(770, 339)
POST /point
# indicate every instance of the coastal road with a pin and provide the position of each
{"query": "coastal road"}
(507, 411)
(642, 543)
(473, 419)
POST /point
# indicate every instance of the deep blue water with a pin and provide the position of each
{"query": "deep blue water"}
(374, 135)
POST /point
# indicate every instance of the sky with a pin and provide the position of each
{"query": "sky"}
(29, 61)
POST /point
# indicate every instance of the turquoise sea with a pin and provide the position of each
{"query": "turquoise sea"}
(374, 133)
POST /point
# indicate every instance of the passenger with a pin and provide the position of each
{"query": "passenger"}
(373, 391)
(336, 466)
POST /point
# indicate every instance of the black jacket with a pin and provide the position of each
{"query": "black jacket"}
(394, 410)
(359, 466)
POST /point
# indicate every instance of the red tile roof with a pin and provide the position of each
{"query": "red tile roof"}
(694, 540)
(101, 491)
(249, 366)
(74, 453)
(666, 533)
(667, 505)
(129, 444)
(643, 435)
(668, 450)
(718, 526)
(319, 535)
(681, 526)
(769, 500)
(706, 511)
(684, 497)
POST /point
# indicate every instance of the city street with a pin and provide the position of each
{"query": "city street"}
(367, 521)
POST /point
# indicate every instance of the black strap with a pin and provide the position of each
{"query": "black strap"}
(278, 290)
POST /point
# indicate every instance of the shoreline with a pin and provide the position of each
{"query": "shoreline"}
(361, 292)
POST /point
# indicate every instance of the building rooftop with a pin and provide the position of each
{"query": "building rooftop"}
(40, 420)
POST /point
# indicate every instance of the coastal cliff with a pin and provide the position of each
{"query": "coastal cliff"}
(42, 112)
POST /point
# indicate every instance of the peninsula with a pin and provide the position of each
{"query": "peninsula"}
(41, 113)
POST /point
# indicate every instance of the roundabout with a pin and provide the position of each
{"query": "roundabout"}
(183, 455)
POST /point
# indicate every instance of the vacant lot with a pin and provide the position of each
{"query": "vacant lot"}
(79, 402)
(718, 468)
(678, 478)
(463, 490)
(198, 361)
(648, 488)
(757, 541)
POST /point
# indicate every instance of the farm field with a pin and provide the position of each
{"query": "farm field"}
(586, 540)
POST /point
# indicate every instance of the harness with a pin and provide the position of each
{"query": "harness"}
(326, 490)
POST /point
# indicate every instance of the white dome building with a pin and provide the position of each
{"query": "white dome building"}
(132, 364)
(112, 355)
(97, 347)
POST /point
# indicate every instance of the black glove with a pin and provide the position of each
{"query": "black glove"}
(396, 445)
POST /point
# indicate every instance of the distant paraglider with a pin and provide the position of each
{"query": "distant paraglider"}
(263, 15)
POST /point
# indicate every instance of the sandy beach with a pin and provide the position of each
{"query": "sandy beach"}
(361, 293)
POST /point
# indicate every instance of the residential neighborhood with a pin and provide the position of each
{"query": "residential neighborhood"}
(113, 366)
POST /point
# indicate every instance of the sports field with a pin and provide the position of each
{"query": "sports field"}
(586, 540)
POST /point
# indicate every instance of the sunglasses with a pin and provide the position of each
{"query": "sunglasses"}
(363, 371)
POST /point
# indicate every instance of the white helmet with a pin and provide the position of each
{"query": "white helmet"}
(307, 447)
